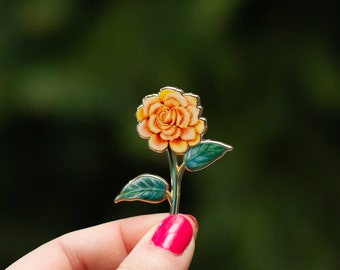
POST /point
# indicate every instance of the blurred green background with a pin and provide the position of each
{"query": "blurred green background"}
(73, 72)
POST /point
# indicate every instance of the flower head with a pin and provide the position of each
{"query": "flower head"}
(171, 118)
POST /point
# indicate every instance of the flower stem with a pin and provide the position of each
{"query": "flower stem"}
(176, 174)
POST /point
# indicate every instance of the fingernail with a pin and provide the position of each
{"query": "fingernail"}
(193, 219)
(173, 234)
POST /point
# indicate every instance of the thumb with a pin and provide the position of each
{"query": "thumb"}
(169, 246)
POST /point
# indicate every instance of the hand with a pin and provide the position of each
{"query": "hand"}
(157, 241)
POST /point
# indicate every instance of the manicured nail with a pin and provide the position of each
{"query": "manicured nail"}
(173, 234)
(193, 219)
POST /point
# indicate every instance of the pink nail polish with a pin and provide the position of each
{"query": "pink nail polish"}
(193, 219)
(173, 234)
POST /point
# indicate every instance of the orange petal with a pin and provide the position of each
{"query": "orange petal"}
(194, 113)
(170, 133)
(164, 116)
(178, 146)
(195, 141)
(165, 91)
(200, 127)
(169, 130)
(140, 113)
(148, 101)
(153, 124)
(157, 144)
(154, 107)
(188, 134)
(175, 99)
(143, 130)
(170, 117)
(183, 117)
(192, 99)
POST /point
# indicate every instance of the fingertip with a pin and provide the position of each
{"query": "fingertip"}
(193, 220)
(174, 234)
(169, 245)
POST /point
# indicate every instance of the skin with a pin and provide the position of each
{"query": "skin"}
(122, 244)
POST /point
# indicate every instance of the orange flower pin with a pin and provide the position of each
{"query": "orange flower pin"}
(171, 121)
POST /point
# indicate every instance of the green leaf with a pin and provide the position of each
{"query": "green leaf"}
(146, 187)
(203, 154)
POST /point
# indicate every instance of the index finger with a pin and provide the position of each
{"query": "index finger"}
(103, 246)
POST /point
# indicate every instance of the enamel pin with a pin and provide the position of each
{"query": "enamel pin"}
(171, 121)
